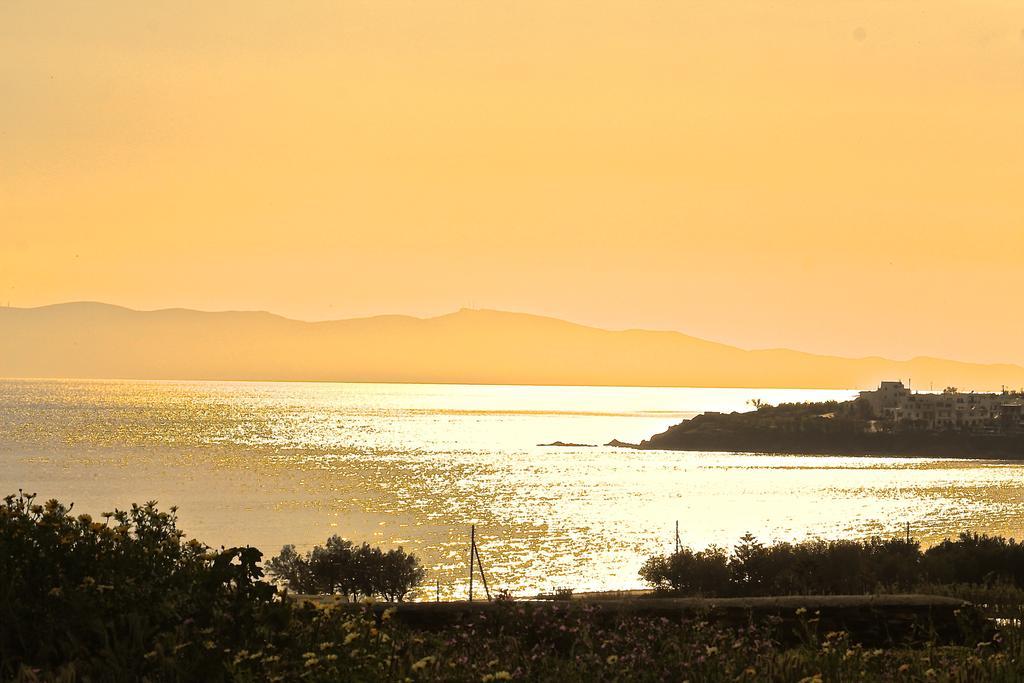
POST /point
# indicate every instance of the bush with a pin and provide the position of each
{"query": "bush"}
(702, 573)
(976, 559)
(117, 597)
(353, 571)
(838, 567)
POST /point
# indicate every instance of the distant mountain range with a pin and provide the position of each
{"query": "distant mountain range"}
(93, 340)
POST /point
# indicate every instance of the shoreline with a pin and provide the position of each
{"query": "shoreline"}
(939, 445)
(951, 447)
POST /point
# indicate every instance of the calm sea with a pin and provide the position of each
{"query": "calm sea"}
(266, 464)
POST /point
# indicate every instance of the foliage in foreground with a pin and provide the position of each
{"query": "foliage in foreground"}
(104, 596)
(563, 643)
(130, 599)
(573, 643)
(837, 567)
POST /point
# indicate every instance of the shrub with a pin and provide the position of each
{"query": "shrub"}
(705, 572)
(838, 567)
(976, 559)
(112, 596)
(353, 571)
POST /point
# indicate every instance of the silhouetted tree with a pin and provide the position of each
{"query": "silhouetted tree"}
(705, 572)
(293, 569)
(339, 566)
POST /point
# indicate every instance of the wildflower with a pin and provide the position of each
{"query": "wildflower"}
(487, 678)
(801, 611)
(750, 671)
(502, 676)
(209, 644)
(308, 655)
(612, 659)
(331, 658)
(930, 673)
(423, 663)
(387, 614)
(325, 645)
(904, 668)
(55, 592)
(711, 650)
(311, 662)
(350, 637)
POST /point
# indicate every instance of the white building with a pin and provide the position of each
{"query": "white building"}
(950, 409)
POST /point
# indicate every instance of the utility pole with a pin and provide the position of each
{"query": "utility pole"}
(474, 555)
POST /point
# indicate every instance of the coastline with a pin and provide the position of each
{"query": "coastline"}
(944, 445)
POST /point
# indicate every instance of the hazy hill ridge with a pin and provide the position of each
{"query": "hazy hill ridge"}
(93, 340)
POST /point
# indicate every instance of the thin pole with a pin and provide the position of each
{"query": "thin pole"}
(472, 552)
(439, 590)
(677, 536)
(483, 577)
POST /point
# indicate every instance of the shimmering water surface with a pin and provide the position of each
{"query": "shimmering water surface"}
(415, 465)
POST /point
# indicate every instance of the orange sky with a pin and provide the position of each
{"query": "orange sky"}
(842, 177)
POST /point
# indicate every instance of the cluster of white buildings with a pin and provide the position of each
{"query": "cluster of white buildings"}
(896, 404)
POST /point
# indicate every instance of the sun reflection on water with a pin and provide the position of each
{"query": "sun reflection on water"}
(269, 464)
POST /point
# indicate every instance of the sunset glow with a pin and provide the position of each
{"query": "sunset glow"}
(838, 177)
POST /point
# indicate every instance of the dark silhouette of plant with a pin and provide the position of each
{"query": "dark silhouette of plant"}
(838, 567)
(976, 559)
(108, 595)
(702, 573)
(293, 569)
(339, 566)
(129, 599)
(400, 573)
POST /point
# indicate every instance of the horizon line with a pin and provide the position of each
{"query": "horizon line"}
(464, 309)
